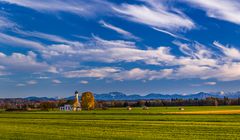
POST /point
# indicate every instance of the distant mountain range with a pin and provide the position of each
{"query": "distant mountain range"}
(152, 96)
(121, 96)
(33, 98)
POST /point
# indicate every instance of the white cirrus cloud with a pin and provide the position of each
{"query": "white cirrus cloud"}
(156, 16)
(3, 71)
(142, 74)
(21, 85)
(171, 34)
(230, 52)
(32, 82)
(16, 41)
(110, 51)
(119, 73)
(210, 83)
(43, 77)
(204, 84)
(84, 82)
(118, 30)
(49, 37)
(92, 73)
(227, 10)
(99, 42)
(5, 22)
(82, 8)
(55, 81)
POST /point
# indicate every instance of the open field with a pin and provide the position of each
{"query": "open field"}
(119, 123)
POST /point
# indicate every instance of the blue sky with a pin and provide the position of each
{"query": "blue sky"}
(52, 48)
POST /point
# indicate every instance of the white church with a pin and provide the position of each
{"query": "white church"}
(76, 106)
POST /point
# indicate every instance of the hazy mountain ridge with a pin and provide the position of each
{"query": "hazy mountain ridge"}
(151, 96)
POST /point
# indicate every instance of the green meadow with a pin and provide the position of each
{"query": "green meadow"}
(222, 122)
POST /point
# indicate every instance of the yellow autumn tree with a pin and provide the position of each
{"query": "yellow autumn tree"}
(88, 102)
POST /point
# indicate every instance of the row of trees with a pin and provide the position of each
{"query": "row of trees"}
(88, 103)
(173, 102)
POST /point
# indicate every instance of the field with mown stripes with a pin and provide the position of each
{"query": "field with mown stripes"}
(221, 122)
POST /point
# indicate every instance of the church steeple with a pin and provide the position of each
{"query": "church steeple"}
(76, 95)
(76, 103)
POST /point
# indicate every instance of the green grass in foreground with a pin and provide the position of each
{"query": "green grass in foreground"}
(120, 123)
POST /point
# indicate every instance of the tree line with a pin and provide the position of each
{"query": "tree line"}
(21, 104)
(210, 101)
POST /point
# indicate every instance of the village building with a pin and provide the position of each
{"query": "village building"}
(66, 108)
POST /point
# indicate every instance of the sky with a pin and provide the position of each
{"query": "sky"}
(52, 48)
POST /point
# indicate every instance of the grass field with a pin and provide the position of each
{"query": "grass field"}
(155, 123)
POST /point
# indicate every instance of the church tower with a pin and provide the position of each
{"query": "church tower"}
(76, 104)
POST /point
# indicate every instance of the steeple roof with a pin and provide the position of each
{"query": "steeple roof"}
(76, 92)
